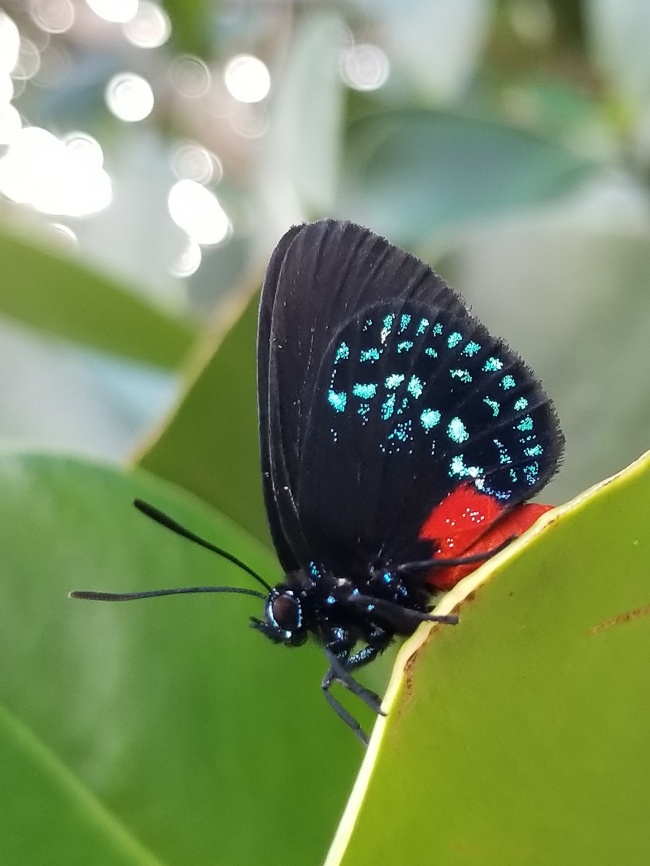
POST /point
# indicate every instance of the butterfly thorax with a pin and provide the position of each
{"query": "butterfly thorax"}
(341, 612)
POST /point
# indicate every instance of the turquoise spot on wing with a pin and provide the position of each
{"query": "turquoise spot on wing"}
(525, 424)
(494, 406)
(404, 322)
(365, 391)
(492, 365)
(405, 346)
(415, 387)
(342, 353)
(388, 326)
(422, 327)
(454, 339)
(457, 431)
(394, 381)
(508, 382)
(337, 400)
(369, 355)
(471, 349)
(437, 329)
(431, 352)
(430, 418)
(534, 451)
(388, 407)
(521, 404)
(463, 375)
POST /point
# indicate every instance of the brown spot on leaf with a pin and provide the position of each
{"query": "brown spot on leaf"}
(620, 619)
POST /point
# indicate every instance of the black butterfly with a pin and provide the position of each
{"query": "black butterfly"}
(399, 441)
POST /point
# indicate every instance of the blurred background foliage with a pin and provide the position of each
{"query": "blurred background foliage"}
(151, 154)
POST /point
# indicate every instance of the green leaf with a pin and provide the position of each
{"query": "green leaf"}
(191, 21)
(209, 446)
(58, 295)
(521, 736)
(157, 731)
(411, 172)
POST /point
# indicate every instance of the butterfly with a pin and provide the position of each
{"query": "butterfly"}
(399, 440)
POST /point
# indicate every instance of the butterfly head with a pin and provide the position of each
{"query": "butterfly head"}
(284, 620)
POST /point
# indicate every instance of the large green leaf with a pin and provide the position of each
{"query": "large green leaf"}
(521, 736)
(156, 731)
(411, 172)
(209, 445)
(58, 295)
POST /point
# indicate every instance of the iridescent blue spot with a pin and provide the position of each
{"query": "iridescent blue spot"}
(513, 476)
(415, 387)
(368, 325)
(388, 407)
(388, 324)
(424, 324)
(457, 467)
(330, 600)
(471, 349)
(401, 432)
(525, 424)
(493, 404)
(337, 400)
(404, 322)
(313, 569)
(364, 391)
(369, 355)
(405, 346)
(393, 381)
(364, 410)
(521, 404)
(492, 365)
(342, 353)
(431, 353)
(429, 418)
(387, 577)
(463, 375)
(534, 451)
(454, 339)
(531, 472)
(508, 382)
(504, 457)
(437, 329)
(457, 431)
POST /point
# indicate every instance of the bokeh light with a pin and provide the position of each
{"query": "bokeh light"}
(190, 76)
(53, 16)
(188, 260)
(10, 124)
(9, 43)
(364, 67)
(194, 162)
(129, 97)
(54, 176)
(197, 211)
(28, 62)
(117, 11)
(247, 78)
(150, 27)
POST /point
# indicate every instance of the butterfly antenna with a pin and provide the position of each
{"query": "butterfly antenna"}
(169, 523)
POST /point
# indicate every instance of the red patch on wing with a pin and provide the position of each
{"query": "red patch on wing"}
(467, 522)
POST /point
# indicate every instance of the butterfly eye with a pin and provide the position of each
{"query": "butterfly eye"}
(285, 612)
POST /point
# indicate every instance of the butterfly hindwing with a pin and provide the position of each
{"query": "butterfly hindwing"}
(381, 396)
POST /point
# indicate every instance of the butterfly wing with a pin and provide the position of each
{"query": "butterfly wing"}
(382, 399)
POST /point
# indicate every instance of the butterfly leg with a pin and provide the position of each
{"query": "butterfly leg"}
(340, 667)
